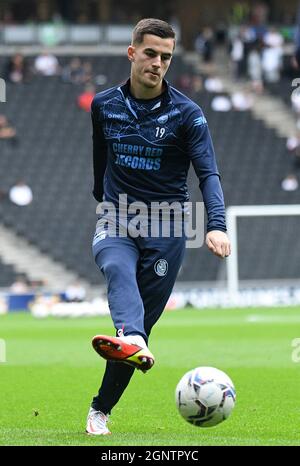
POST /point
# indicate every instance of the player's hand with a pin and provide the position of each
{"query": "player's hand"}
(218, 243)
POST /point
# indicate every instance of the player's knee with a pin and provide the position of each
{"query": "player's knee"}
(111, 267)
(116, 268)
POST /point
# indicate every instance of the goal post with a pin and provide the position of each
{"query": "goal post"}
(232, 214)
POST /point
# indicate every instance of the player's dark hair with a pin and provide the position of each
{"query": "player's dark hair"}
(153, 26)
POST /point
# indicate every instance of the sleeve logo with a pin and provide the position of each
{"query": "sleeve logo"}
(200, 121)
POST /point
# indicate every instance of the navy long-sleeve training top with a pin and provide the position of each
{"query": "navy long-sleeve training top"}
(144, 148)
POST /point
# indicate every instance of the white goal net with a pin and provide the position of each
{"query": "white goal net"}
(233, 213)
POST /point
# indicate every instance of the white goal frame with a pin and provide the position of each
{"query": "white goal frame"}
(232, 214)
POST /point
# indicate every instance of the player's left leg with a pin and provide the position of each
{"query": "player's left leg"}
(116, 378)
(156, 275)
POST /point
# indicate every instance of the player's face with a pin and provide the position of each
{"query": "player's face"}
(150, 61)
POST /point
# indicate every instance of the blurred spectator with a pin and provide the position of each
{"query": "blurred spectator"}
(259, 18)
(296, 58)
(248, 35)
(20, 286)
(88, 74)
(293, 146)
(272, 55)
(254, 66)
(197, 83)
(6, 130)
(271, 64)
(100, 79)
(20, 194)
(184, 82)
(38, 283)
(72, 73)
(75, 293)
(273, 38)
(221, 103)
(204, 44)
(237, 55)
(239, 12)
(297, 40)
(17, 70)
(241, 101)
(213, 84)
(84, 100)
(77, 72)
(46, 64)
(290, 183)
(292, 143)
(295, 101)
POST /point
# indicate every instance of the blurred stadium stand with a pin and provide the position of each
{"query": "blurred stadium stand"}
(54, 153)
(54, 157)
(252, 160)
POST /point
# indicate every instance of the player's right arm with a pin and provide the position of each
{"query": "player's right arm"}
(99, 152)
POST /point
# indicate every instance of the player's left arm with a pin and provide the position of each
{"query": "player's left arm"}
(218, 243)
(202, 155)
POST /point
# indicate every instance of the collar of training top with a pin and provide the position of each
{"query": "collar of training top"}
(165, 96)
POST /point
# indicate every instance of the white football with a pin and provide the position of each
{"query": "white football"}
(205, 396)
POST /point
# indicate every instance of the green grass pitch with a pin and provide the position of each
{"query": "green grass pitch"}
(52, 370)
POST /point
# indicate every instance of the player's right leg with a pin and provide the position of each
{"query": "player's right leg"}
(131, 349)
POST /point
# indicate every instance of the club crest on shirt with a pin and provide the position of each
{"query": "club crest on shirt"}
(161, 267)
